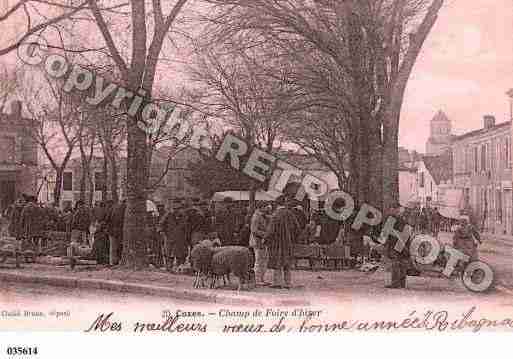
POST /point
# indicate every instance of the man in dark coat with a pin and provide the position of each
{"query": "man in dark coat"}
(32, 218)
(282, 231)
(80, 223)
(174, 228)
(400, 259)
(101, 243)
(225, 222)
(300, 216)
(195, 224)
(467, 238)
(436, 219)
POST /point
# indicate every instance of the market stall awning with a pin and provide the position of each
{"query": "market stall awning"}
(450, 212)
(243, 196)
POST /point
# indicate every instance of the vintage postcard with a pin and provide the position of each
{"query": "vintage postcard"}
(255, 167)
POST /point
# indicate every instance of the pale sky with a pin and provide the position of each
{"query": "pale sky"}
(465, 68)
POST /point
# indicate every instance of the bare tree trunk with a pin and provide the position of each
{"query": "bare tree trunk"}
(375, 165)
(105, 176)
(114, 180)
(90, 182)
(137, 182)
(58, 185)
(391, 160)
(82, 186)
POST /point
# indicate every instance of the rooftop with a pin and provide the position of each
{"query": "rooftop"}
(440, 167)
(482, 131)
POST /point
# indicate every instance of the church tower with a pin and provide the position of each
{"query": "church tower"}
(441, 134)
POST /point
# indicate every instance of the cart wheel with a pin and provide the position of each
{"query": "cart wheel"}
(477, 277)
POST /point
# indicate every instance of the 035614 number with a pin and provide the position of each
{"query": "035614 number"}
(21, 350)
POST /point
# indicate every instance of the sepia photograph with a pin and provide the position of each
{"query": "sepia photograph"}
(258, 167)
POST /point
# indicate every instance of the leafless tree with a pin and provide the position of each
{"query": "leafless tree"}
(235, 85)
(54, 116)
(373, 44)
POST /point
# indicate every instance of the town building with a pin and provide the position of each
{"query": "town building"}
(408, 189)
(18, 156)
(441, 136)
(482, 168)
(168, 184)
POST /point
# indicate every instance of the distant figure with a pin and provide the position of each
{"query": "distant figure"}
(80, 223)
(32, 220)
(436, 219)
(101, 243)
(466, 239)
(423, 220)
(399, 259)
(116, 223)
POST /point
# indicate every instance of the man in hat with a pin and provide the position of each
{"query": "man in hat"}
(116, 222)
(258, 229)
(173, 227)
(279, 239)
(31, 220)
(80, 223)
(466, 238)
(399, 259)
(225, 222)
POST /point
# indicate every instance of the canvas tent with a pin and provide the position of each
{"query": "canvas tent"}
(243, 196)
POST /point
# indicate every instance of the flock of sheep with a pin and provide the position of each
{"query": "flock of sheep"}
(216, 263)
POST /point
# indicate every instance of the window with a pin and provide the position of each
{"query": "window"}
(99, 181)
(67, 181)
(476, 160)
(485, 203)
(467, 160)
(7, 149)
(488, 156)
(498, 205)
(483, 158)
(421, 180)
(507, 153)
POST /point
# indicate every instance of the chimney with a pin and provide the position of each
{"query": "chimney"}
(489, 121)
(16, 107)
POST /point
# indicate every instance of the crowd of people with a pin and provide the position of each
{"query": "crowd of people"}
(270, 231)
(466, 239)
(425, 219)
